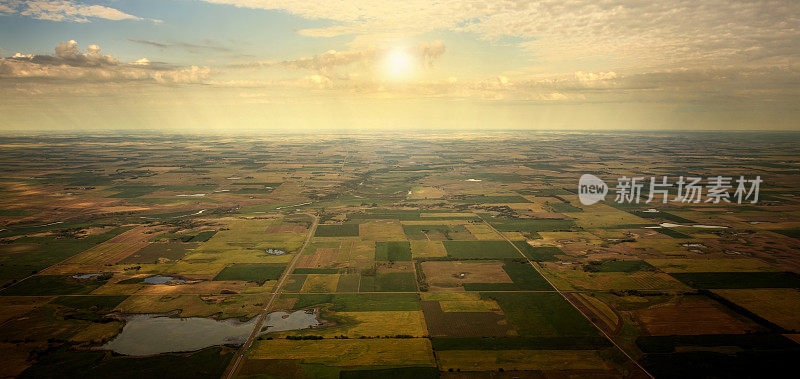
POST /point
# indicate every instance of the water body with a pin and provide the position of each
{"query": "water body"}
(282, 321)
(87, 276)
(146, 334)
(670, 225)
(162, 280)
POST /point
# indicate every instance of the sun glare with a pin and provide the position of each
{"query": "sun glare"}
(399, 63)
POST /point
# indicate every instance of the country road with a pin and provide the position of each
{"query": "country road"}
(234, 367)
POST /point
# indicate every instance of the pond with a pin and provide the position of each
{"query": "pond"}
(162, 280)
(146, 334)
(87, 276)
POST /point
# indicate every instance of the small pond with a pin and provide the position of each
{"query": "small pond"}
(162, 280)
(146, 334)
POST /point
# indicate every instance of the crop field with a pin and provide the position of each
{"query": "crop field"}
(392, 251)
(520, 360)
(251, 272)
(350, 352)
(707, 317)
(441, 275)
(779, 305)
(153, 252)
(480, 249)
(403, 257)
(346, 230)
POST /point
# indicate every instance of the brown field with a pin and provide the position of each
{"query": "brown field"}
(15, 306)
(464, 324)
(711, 265)
(494, 360)
(574, 278)
(688, 315)
(778, 305)
(447, 274)
(323, 257)
(597, 311)
(115, 249)
(15, 358)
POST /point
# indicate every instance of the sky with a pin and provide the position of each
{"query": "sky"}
(295, 65)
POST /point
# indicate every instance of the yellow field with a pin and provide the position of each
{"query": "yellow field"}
(348, 352)
(472, 360)
(571, 236)
(461, 301)
(15, 306)
(200, 288)
(362, 254)
(482, 232)
(427, 249)
(778, 305)
(601, 216)
(194, 305)
(320, 283)
(115, 249)
(426, 193)
(370, 324)
(382, 230)
(97, 333)
(572, 279)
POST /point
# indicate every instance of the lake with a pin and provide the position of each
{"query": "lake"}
(146, 334)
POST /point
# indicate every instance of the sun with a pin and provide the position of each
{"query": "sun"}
(398, 63)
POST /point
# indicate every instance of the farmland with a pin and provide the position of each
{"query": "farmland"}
(386, 256)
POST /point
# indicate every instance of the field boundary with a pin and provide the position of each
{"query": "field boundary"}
(538, 269)
(234, 367)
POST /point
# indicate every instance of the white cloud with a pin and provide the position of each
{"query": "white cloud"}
(62, 10)
(70, 64)
(365, 60)
(567, 34)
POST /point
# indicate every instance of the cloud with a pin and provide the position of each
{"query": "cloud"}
(365, 59)
(63, 10)
(429, 52)
(565, 35)
(68, 63)
(206, 45)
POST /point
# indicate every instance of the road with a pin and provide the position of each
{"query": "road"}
(234, 367)
(560, 292)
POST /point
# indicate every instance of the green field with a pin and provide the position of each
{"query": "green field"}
(388, 282)
(392, 251)
(480, 249)
(345, 230)
(538, 253)
(542, 314)
(739, 280)
(251, 272)
(54, 285)
(206, 363)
